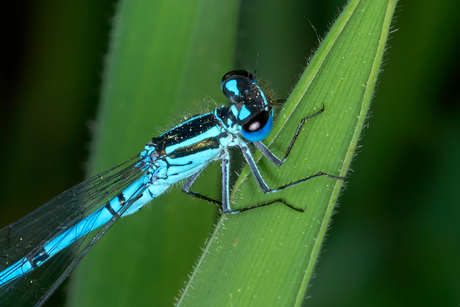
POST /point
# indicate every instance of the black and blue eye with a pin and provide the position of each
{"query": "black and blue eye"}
(258, 128)
(235, 83)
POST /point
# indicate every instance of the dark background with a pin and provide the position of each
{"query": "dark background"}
(394, 240)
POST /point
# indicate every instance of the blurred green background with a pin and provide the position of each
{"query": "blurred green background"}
(395, 237)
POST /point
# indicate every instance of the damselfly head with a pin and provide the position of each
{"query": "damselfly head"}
(251, 107)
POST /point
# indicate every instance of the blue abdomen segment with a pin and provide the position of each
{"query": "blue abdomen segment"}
(138, 192)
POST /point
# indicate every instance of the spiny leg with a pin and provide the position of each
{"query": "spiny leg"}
(188, 184)
(264, 187)
(260, 181)
(274, 159)
(255, 171)
(279, 200)
(225, 203)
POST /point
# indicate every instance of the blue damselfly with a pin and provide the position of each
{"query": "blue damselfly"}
(39, 251)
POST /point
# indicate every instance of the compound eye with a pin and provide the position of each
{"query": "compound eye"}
(236, 83)
(240, 73)
(258, 128)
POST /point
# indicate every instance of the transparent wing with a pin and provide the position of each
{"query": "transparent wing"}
(21, 239)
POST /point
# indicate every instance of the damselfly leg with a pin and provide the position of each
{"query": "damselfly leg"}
(225, 203)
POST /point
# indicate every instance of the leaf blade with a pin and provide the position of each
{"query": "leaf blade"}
(164, 58)
(245, 262)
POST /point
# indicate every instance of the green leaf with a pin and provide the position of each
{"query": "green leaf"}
(266, 256)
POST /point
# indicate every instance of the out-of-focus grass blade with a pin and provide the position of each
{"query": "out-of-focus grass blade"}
(266, 256)
(165, 58)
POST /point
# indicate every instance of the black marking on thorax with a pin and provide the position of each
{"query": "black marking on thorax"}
(186, 131)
